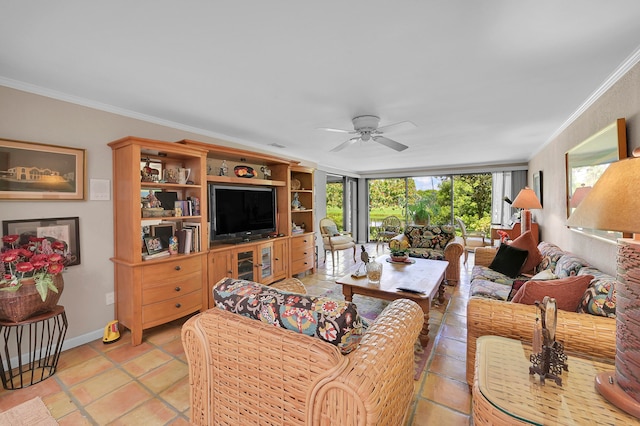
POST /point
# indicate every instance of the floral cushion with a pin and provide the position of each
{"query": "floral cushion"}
(600, 296)
(484, 273)
(331, 320)
(490, 290)
(426, 253)
(550, 255)
(430, 236)
(569, 265)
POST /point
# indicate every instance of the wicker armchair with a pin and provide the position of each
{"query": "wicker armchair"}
(242, 371)
(579, 333)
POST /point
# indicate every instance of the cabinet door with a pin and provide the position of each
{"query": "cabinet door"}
(265, 267)
(219, 267)
(280, 255)
(243, 263)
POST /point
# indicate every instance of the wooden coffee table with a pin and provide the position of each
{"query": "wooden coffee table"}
(425, 275)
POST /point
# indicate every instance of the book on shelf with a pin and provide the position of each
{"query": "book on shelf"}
(185, 237)
(195, 204)
(195, 229)
(158, 255)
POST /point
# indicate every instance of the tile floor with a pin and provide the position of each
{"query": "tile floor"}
(117, 384)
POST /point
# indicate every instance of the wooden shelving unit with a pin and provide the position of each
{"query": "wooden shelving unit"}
(152, 292)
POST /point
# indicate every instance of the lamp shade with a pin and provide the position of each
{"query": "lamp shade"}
(614, 202)
(578, 195)
(527, 199)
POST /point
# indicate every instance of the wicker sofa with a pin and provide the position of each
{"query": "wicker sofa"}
(244, 371)
(582, 332)
(437, 242)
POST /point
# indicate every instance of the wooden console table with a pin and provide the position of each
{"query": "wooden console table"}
(504, 393)
(514, 231)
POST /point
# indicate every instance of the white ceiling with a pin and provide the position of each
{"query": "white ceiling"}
(486, 82)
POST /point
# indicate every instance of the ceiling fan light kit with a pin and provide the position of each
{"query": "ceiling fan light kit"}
(366, 127)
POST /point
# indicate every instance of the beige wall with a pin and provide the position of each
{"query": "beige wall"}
(29, 117)
(622, 100)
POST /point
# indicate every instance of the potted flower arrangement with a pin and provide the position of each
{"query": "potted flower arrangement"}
(30, 275)
(399, 250)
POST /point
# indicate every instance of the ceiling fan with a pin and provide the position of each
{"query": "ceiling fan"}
(366, 128)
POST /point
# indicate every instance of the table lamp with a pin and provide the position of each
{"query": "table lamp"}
(614, 205)
(578, 195)
(526, 199)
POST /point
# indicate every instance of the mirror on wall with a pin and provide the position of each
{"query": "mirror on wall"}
(587, 161)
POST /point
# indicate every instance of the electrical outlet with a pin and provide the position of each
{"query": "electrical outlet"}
(110, 298)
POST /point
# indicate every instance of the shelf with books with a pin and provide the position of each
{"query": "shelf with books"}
(145, 280)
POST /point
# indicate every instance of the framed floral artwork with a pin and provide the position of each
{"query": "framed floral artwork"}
(34, 171)
(65, 229)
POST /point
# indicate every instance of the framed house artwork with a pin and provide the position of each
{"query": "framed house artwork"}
(34, 171)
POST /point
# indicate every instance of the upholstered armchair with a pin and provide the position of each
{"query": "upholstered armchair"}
(334, 240)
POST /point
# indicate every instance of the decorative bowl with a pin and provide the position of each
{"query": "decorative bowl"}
(244, 171)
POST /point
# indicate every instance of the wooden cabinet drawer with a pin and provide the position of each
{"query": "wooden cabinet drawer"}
(301, 243)
(174, 288)
(162, 312)
(302, 264)
(176, 269)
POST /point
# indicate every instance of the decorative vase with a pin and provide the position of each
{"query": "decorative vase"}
(374, 272)
(26, 302)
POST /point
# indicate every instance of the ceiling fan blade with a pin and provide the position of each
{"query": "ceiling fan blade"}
(390, 143)
(345, 144)
(329, 129)
(397, 127)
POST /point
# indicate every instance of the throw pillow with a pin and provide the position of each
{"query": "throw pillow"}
(528, 243)
(567, 291)
(509, 260)
(331, 230)
(547, 274)
(332, 320)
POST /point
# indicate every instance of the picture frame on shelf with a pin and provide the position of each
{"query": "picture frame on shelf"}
(64, 229)
(154, 245)
(36, 171)
(164, 231)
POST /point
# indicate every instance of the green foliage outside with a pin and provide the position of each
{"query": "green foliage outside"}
(388, 197)
(471, 201)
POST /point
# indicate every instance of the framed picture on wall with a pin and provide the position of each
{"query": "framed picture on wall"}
(537, 185)
(65, 229)
(34, 171)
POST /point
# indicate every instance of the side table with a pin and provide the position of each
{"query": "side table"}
(42, 337)
(504, 393)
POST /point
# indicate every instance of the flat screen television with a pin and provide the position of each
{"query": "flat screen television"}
(241, 212)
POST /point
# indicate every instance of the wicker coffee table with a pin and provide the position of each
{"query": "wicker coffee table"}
(425, 275)
(505, 394)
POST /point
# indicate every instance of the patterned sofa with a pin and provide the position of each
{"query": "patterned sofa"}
(590, 330)
(265, 356)
(436, 242)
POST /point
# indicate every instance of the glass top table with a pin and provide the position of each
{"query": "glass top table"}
(505, 393)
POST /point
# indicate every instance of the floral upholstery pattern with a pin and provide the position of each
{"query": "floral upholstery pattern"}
(334, 321)
(550, 255)
(485, 273)
(490, 289)
(569, 265)
(434, 237)
(600, 297)
(427, 253)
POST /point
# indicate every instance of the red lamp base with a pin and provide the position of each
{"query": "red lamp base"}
(608, 387)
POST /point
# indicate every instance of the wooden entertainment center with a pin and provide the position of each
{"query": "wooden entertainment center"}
(155, 291)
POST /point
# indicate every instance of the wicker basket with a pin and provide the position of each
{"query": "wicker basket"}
(26, 302)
